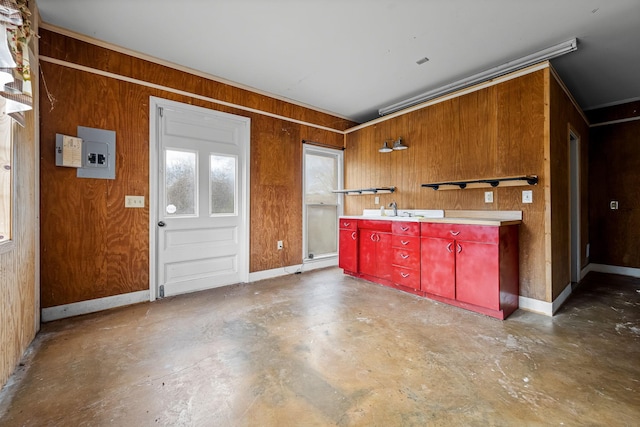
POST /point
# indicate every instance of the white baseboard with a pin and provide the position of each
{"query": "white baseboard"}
(535, 305)
(614, 269)
(91, 306)
(543, 307)
(307, 266)
(549, 308)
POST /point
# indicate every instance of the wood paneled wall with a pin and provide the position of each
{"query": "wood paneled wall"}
(493, 132)
(564, 118)
(91, 245)
(614, 167)
(19, 299)
(517, 127)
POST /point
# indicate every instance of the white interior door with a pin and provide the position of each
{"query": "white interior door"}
(201, 219)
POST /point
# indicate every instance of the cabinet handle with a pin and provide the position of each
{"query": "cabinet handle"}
(459, 248)
(404, 243)
(377, 237)
(454, 233)
(449, 247)
(346, 224)
(373, 237)
(405, 275)
(353, 235)
(404, 256)
(404, 228)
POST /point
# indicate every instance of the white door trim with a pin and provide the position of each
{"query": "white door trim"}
(575, 250)
(154, 104)
(329, 152)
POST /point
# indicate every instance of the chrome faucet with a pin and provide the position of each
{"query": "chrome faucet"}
(394, 206)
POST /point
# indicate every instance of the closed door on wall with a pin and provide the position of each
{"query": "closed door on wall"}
(202, 201)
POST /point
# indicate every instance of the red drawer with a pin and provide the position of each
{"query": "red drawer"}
(406, 277)
(471, 233)
(348, 224)
(408, 259)
(375, 224)
(409, 243)
(406, 228)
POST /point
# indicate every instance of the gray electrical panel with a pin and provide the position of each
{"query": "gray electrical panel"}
(98, 153)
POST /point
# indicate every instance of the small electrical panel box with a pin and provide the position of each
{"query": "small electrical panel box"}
(92, 152)
(98, 153)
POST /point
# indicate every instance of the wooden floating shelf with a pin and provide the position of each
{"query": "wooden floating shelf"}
(512, 181)
(360, 191)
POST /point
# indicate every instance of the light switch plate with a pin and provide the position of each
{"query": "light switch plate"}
(488, 196)
(377, 200)
(527, 196)
(134, 201)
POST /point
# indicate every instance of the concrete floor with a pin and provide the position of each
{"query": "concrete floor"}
(321, 349)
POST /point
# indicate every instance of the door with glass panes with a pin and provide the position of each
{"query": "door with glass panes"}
(202, 203)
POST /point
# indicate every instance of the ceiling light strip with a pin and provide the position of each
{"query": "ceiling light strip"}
(534, 58)
(181, 92)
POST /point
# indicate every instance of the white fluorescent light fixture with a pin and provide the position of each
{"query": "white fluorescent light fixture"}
(500, 70)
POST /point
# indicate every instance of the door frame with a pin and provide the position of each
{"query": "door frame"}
(244, 172)
(575, 208)
(339, 154)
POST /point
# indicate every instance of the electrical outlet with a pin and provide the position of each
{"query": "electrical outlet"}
(377, 200)
(488, 196)
(134, 201)
(280, 245)
(527, 196)
(588, 249)
(614, 205)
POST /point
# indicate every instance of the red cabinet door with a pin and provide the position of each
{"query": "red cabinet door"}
(348, 252)
(478, 274)
(374, 255)
(367, 252)
(438, 267)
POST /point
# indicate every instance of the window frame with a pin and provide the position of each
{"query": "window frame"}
(10, 244)
(338, 154)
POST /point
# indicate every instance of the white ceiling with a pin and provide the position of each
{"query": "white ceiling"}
(352, 57)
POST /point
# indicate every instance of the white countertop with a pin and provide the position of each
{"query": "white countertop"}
(491, 218)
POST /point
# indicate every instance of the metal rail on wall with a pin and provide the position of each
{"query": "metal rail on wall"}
(360, 191)
(512, 181)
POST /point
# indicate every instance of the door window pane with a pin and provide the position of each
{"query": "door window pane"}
(322, 221)
(180, 183)
(222, 184)
(321, 177)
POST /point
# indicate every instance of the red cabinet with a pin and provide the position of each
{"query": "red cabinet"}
(476, 267)
(405, 246)
(348, 245)
(374, 252)
(469, 266)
